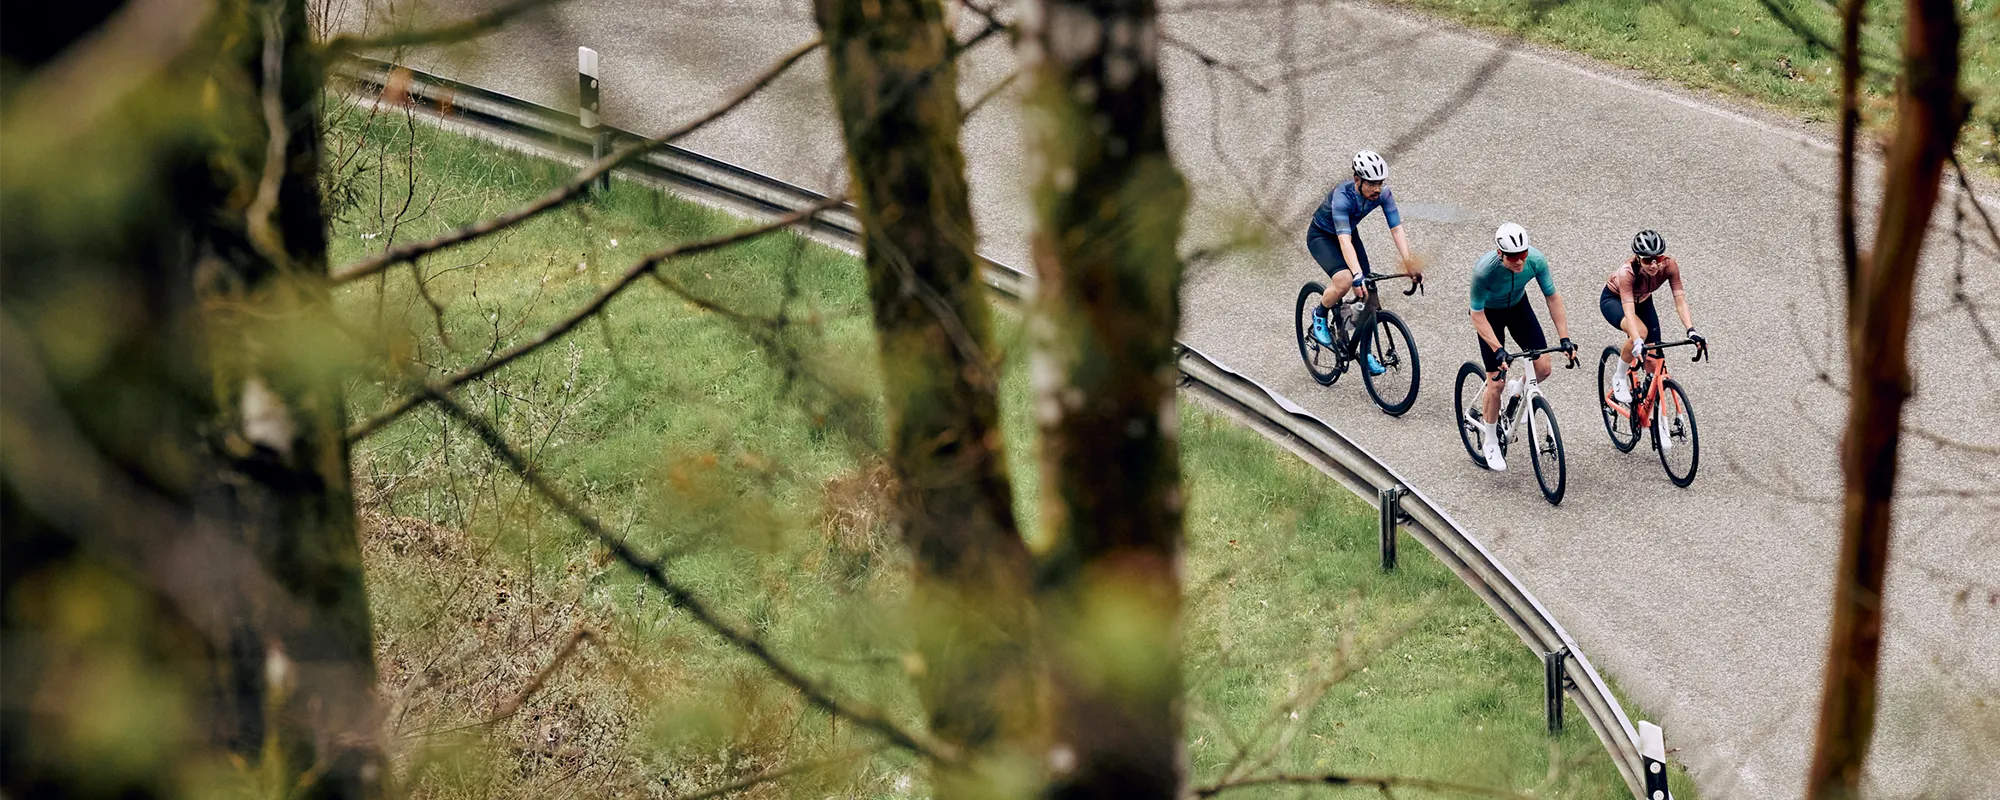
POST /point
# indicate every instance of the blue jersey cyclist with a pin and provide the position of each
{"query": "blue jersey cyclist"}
(1500, 305)
(1336, 245)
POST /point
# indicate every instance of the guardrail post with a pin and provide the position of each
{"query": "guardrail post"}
(1653, 755)
(1391, 515)
(587, 108)
(1555, 674)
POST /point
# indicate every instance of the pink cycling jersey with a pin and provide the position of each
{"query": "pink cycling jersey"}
(1634, 285)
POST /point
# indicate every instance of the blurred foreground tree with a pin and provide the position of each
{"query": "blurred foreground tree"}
(896, 88)
(184, 605)
(1108, 208)
(1881, 290)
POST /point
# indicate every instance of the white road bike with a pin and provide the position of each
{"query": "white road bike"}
(1521, 391)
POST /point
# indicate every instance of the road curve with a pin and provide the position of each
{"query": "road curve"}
(1708, 605)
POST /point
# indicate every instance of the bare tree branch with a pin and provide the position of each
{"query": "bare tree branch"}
(655, 573)
(577, 184)
(778, 773)
(1852, 15)
(645, 266)
(1382, 783)
(469, 28)
(1211, 61)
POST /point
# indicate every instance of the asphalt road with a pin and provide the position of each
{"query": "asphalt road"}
(1708, 605)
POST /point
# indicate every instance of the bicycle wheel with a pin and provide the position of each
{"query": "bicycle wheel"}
(1471, 380)
(1545, 448)
(1395, 390)
(1674, 434)
(1622, 428)
(1322, 362)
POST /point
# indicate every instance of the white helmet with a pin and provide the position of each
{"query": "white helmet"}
(1369, 166)
(1511, 238)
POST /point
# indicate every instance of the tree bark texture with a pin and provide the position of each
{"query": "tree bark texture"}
(1928, 115)
(1108, 206)
(179, 395)
(972, 602)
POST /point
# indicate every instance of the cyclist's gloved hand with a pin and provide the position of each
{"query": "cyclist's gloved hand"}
(1568, 346)
(1503, 356)
(1696, 337)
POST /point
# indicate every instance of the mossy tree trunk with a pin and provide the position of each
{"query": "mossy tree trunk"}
(980, 682)
(179, 395)
(1108, 205)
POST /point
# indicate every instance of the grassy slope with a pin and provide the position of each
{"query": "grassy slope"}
(752, 462)
(1737, 47)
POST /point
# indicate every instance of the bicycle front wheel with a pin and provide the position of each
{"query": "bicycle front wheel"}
(1674, 434)
(1471, 381)
(1322, 363)
(1546, 450)
(1395, 390)
(1618, 421)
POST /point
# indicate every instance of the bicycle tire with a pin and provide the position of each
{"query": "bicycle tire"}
(1398, 357)
(1609, 410)
(1676, 422)
(1322, 362)
(1466, 434)
(1545, 449)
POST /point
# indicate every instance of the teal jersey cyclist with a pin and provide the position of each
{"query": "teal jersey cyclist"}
(1335, 243)
(1500, 306)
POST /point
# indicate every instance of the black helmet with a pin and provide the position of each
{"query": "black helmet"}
(1649, 243)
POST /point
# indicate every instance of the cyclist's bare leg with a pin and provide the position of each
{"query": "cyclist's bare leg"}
(1634, 330)
(1543, 367)
(1337, 287)
(1490, 397)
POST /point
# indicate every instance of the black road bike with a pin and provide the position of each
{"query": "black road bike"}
(1395, 390)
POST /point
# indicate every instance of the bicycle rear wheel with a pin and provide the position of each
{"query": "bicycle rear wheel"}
(1622, 428)
(1395, 390)
(1471, 381)
(1674, 434)
(1322, 363)
(1545, 448)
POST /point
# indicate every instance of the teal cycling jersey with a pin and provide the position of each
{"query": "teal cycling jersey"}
(1496, 286)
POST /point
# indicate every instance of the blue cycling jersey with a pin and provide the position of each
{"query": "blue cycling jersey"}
(1496, 286)
(1345, 206)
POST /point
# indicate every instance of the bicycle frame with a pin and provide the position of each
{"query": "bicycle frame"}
(1526, 387)
(1654, 369)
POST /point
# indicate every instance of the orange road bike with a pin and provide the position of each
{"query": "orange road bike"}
(1659, 404)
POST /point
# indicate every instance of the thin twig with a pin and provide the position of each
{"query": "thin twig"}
(449, 33)
(681, 597)
(644, 267)
(1384, 783)
(577, 184)
(514, 704)
(258, 215)
(777, 773)
(989, 94)
(1211, 61)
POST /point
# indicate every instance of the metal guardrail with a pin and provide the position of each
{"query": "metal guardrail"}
(1568, 671)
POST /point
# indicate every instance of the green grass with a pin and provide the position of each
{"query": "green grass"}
(752, 461)
(1738, 47)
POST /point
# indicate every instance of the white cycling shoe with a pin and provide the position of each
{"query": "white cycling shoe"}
(1490, 444)
(1621, 387)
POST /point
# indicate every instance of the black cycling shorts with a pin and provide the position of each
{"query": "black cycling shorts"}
(1325, 248)
(1516, 321)
(1613, 308)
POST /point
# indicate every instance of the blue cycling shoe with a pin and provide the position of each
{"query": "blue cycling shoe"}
(1320, 331)
(1374, 364)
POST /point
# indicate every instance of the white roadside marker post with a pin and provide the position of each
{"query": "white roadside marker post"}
(587, 108)
(1653, 756)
